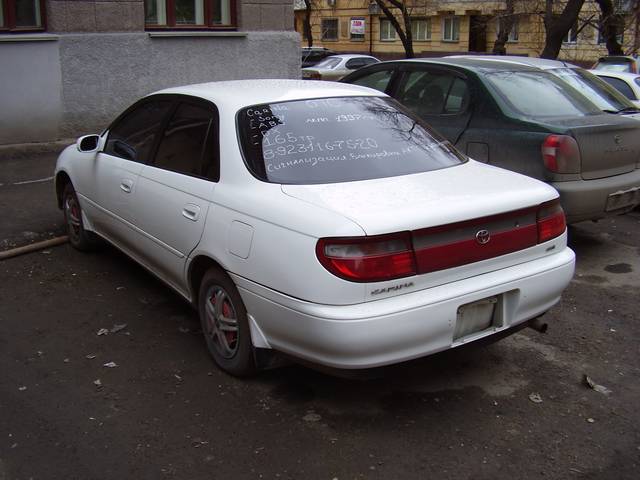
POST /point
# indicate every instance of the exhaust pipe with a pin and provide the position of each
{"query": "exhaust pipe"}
(538, 325)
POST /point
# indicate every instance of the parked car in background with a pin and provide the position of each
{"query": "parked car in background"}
(524, 119)
(617, 63)
(337, 66)
(313, 55)
(607, 98)
(626, 83)
(317, 219)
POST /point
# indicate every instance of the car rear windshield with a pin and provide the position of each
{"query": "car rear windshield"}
(595, 89)
(331, 140)
(540, 94)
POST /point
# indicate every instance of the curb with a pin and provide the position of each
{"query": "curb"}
(23, 149)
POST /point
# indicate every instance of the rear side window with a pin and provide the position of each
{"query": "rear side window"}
(187, 142)
(539, 94)
(378, 80)
(359, 62)
(621, 86)
(328, 63)
(433, 93)
(132, 137)
(332, 140)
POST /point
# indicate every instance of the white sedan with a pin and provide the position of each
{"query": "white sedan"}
(626, 83)
(337, 66)
(317, 219)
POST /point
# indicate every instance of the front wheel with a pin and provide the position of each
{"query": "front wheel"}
(79, 238)
(224, 324)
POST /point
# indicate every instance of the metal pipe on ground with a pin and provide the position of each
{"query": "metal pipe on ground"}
(34, 247)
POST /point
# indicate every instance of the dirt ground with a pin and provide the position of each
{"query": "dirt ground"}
(515, 409)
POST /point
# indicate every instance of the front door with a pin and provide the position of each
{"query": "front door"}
(129, 144)
(478, 34)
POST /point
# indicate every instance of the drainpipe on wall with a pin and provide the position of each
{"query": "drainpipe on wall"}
(374, 9)
(371, 35)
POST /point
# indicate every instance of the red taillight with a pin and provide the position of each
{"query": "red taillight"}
(561, 154)
(368, 259)
(551, 221)
(386, 257)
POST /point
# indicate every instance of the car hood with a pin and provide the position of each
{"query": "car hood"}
(439, 197)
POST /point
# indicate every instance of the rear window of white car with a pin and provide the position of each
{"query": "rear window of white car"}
(332, 140)
(540, 94)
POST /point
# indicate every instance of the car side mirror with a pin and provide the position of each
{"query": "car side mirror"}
(88, 143)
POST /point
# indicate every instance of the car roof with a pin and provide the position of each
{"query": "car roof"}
(542, 63)
(351, 55)
(624, 75)
(236, 94)
(470, 63)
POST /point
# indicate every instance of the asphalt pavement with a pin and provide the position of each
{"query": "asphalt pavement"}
(516, 409)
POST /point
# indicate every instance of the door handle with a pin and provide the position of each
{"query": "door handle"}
(191, 212)
(126, 185)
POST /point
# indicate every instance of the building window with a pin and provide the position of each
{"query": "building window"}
(387, 32)
(357, 29)
(513, 34)
(190, 13)
(451, 29)
(421, 29)
(330, 29)
(619, 25)
(21, 15)
(572, 34)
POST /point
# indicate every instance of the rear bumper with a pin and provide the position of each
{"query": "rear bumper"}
(587, 199)
(406, 326)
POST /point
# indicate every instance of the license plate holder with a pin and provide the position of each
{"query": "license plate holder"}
(475, 317)
(624, 199)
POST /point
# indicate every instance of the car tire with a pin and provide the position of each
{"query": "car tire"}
(220, 306)
(79, 238)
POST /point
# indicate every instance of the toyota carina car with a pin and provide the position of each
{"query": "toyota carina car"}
(317, 219)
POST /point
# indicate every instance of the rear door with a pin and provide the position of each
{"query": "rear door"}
(380, 77)
(174, 191)
(440, 96)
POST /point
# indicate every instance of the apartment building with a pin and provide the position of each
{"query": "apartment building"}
(443, 27)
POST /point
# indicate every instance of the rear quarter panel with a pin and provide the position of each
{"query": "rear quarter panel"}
(281, 233)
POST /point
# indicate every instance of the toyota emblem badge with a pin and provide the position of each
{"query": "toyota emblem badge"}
(483, 237)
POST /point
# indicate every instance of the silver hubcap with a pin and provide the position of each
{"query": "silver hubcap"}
(221, 322)
(72, 214)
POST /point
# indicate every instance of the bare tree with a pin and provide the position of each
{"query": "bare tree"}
(506, 22)
(403, 31)
(306, 24)
(610, 26)
(557, 25)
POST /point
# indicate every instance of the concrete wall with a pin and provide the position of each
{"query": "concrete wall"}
(30, 91)
(103, 73)
(95, 59)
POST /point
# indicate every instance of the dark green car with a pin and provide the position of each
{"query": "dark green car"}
(523, 119)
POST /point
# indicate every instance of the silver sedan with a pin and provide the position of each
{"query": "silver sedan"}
(337, 66)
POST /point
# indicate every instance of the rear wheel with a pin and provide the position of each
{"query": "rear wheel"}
(79, 238)
(224, 324)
